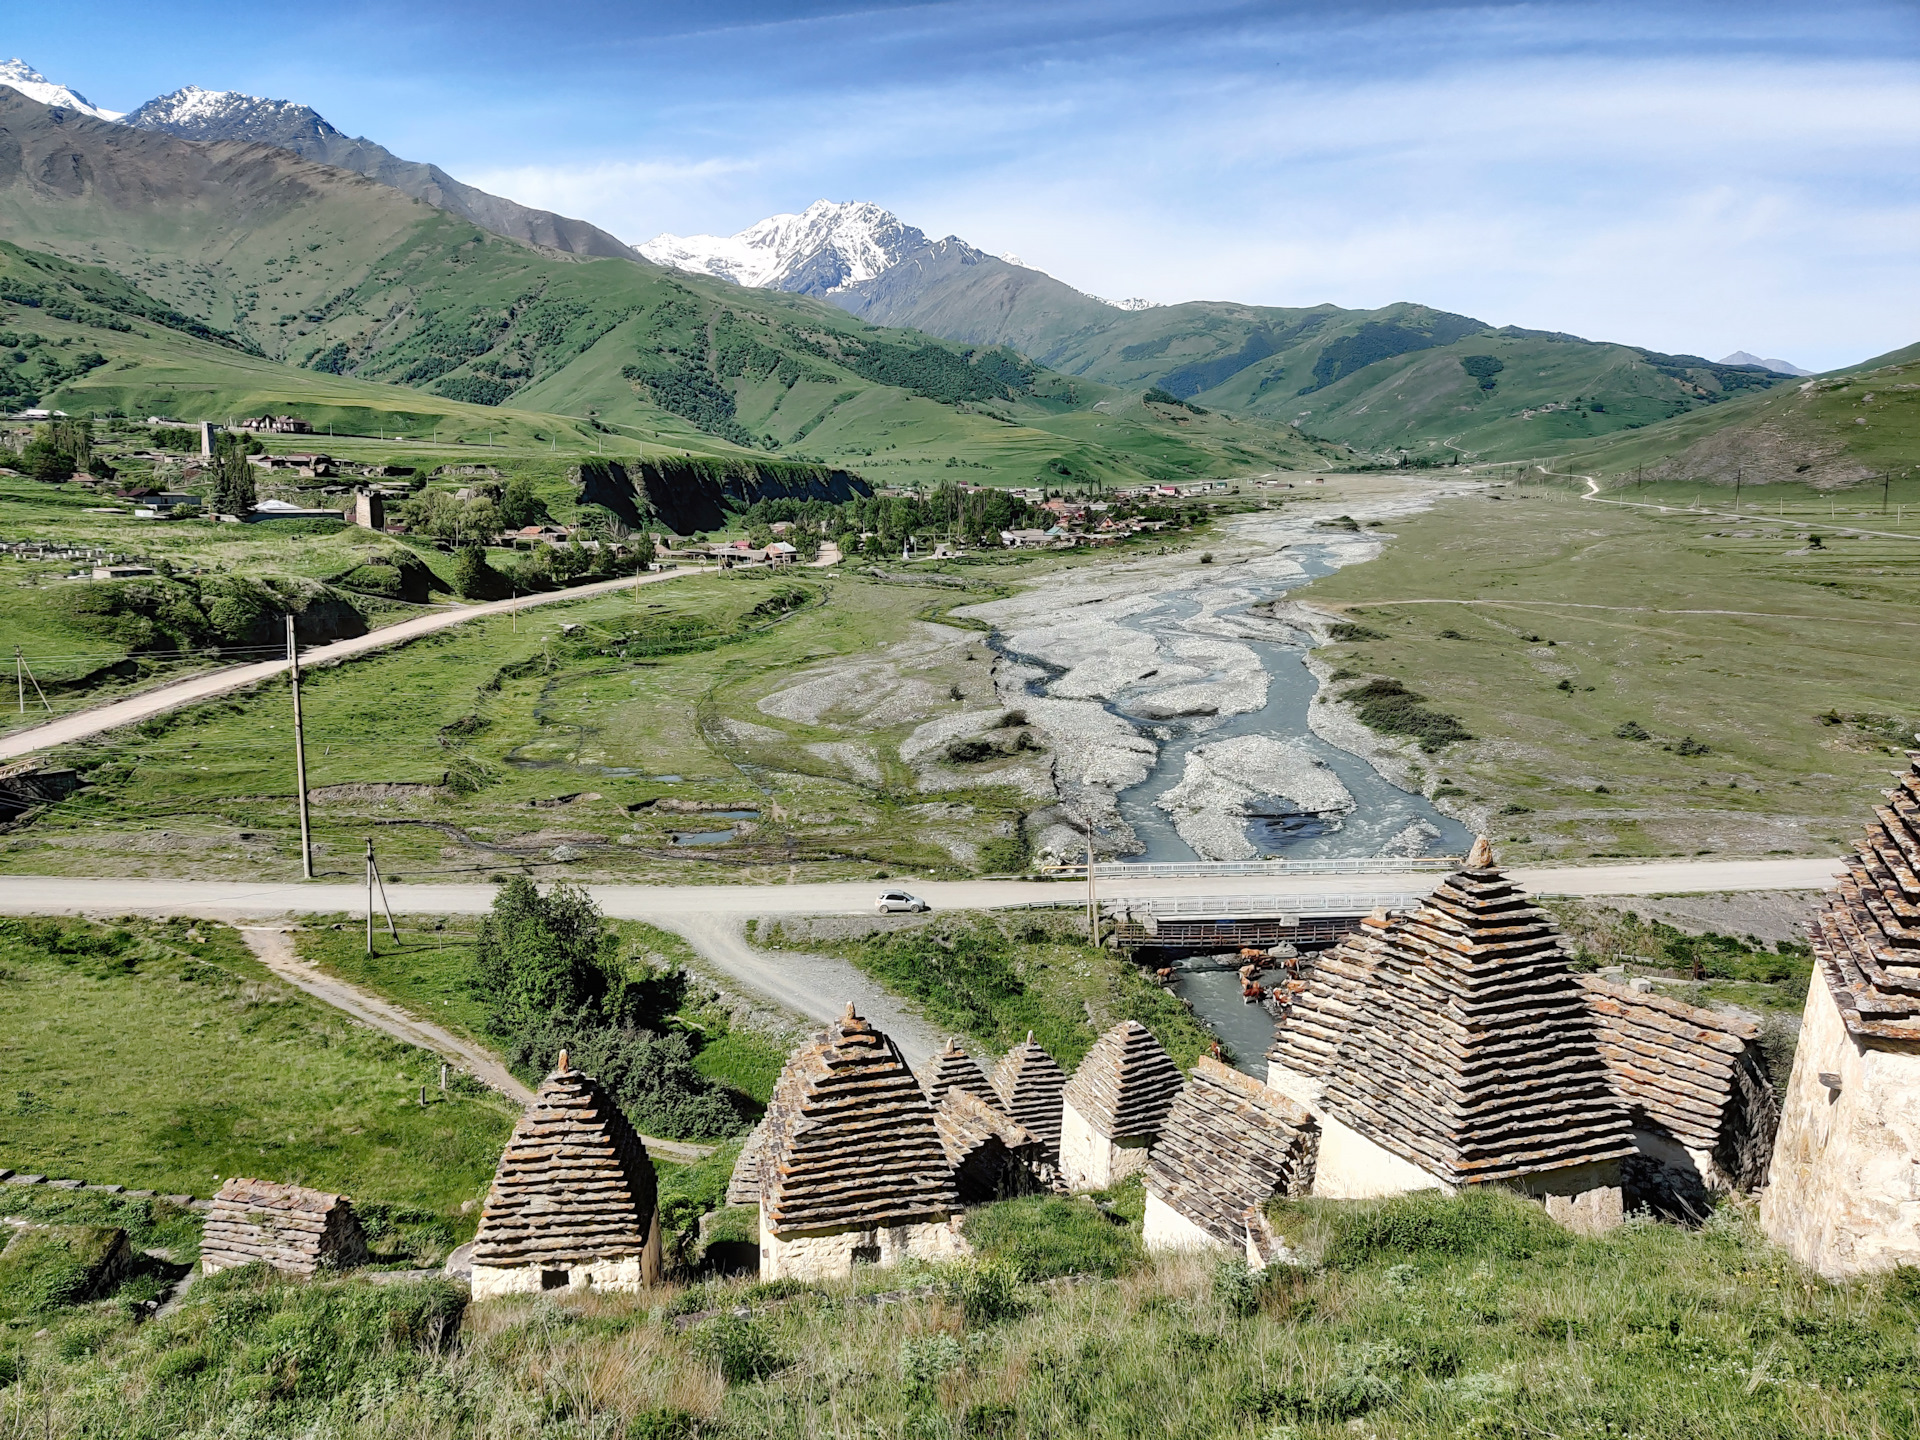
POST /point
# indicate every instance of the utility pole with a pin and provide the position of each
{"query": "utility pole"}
(299, 755)
(1738, 473)
(22, 673)
(373, 878)
(1886, 489)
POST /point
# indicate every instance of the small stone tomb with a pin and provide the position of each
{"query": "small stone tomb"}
(992, 1156)
(853, 1172)
(574, 1203)
(1113, 1107)
(954, 1068)
(1029, 1083)
(1843, 1195)
(295, 1230)
(1229, 1145)
(1695, 1084)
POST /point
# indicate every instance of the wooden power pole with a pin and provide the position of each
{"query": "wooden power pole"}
(373, 878)
(299, 755)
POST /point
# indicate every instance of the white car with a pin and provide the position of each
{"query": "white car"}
(892, 901)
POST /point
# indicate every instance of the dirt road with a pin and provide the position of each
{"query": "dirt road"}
(93, 721)
(274, 948)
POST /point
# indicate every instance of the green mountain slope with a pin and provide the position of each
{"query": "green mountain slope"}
(1403, 376)
(1843, 428)
(334, 275)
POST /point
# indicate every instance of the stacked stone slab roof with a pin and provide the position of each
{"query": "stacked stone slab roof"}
(743, 1186)
(1229, 1144)
(1695, 1075)
(1126, 1084)
(1029, 1083)
(1867, 938)
(954, 1068)
(992, 1155)
(1459, 1039)
(574, 1185)
(291, 1228)
(851, 1140)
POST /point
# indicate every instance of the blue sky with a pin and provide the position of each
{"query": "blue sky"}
(1692, 177)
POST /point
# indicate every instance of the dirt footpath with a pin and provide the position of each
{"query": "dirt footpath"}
(274, 948)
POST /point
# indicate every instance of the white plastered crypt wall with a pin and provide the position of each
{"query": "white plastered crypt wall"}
(1844, 1192)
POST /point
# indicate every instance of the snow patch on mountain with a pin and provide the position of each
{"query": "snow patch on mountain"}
(1132, 302)
(196, 114)
(1779, 367)
(826, 246)
(19, 75)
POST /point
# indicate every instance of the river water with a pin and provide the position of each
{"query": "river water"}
(1133, 673)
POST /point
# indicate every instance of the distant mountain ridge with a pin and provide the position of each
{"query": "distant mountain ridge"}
(1747, 357)
(196, 114)
(21, 76)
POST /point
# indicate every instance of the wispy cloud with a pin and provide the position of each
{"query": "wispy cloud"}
(1690, 174)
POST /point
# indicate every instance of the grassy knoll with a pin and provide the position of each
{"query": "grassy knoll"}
(995, 977)
(1412, 1318)
(163, 1057)
(509, 744)
(1642, 681)
(429, 970)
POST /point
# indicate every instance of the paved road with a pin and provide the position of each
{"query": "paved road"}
(274, 948)
(93, 721)
(674, 905)
(711, 916)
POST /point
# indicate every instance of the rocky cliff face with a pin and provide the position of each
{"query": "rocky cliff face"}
(688, 495)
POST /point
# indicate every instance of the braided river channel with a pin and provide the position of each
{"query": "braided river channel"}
(1181, 707)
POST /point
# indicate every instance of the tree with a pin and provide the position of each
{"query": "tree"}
(233, 492)
(46, 462)
(540, 958)
(520, 505)
(474, 578)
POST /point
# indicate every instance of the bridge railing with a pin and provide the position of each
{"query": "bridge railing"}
(1257, 907)
(1229, 869)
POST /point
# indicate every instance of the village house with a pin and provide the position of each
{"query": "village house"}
(1844, 1192)
(574, 1203)
(1024, 539)
(277, 425)
(781, 553)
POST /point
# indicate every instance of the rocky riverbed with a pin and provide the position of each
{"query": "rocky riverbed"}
(1176, 700)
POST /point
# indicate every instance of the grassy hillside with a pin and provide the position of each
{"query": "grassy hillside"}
(341, 278)
(1640, 680)
(1400, 377)
(1848, 427)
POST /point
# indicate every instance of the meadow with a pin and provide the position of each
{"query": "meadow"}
(1642, 679)
(1409, 1318)
(579, 740)
(160, 1055)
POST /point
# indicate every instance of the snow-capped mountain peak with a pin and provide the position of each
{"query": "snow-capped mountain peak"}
(826, 246)
(21, 76)
(196, 114)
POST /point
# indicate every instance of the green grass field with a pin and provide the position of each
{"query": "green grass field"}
(995, 978)
(566, 755)
(162, 1056)
(1411, 1319)
(1559, 630)
(428, 971)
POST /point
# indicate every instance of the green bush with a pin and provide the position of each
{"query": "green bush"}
(1347, 631)
(1391, 708)
(741, 1350)
(985, 1290)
